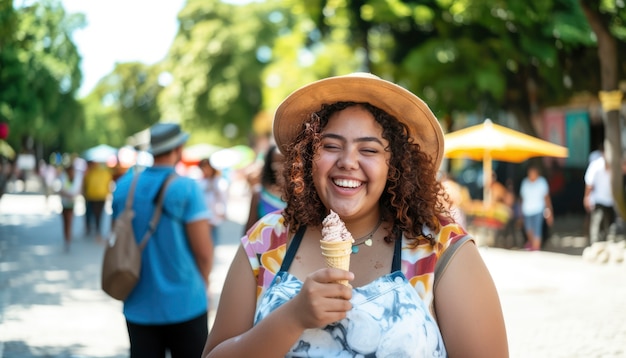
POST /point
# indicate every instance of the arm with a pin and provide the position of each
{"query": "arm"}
(548, 212)
(587, 198)
(468, 308)
(201, 243)
(222, 198)
(233, 333)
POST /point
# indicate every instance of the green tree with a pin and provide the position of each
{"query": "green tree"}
(123, 103)
(40, 75)
(215, 66)
(480, 55)
(607, 19)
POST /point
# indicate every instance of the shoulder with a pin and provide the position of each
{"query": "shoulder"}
(449, 234)
(123, 183)
(426, 256)
(265, 243)
(597, 165)
(268, 234)
(184, 185)
(424, 264)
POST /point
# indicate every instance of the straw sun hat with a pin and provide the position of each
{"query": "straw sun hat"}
(360, 87)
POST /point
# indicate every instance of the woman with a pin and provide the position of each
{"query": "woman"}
(266, 198)
(70, 189)
(368, 150)
(214, 188)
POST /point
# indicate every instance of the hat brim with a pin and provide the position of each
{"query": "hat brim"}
(170, 144)
(409, 109)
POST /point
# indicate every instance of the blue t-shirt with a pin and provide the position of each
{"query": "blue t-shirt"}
(171, 289)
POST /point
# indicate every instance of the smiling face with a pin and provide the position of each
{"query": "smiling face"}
(351, 165)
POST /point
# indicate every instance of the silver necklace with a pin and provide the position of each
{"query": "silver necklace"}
(367, 239)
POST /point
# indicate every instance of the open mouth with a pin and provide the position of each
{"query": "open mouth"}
(347, 183)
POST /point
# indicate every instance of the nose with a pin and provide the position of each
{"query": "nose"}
(348, 159)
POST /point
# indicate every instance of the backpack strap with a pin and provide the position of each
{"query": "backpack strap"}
(446, 256)
(157, 211)
(131, 193)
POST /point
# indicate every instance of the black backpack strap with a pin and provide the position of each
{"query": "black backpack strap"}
(157, 211)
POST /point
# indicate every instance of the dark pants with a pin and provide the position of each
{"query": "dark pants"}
(182, 340)
(602, 217)
(93, 211)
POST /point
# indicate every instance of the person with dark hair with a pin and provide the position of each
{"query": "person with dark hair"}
(266, 197)
(367, 150)
(97, 184)
(214, 188)
(168, 309)
(536, 206)
(598, 199)
(70, 190)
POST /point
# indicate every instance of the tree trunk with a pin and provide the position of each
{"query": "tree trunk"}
(607, 54)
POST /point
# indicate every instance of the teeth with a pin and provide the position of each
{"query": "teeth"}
(347, 183)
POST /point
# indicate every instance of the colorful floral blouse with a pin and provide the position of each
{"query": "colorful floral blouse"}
(266, 244)
(390, 316)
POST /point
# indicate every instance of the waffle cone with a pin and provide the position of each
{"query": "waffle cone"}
(337, 255)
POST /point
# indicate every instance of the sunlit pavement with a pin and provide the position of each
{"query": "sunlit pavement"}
(51, 305)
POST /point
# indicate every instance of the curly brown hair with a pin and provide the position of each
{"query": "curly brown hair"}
(412, 198)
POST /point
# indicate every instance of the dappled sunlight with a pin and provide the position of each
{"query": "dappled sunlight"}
(44, 329)
(48, 296)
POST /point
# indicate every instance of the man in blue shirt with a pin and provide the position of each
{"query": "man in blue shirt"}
(167, 310)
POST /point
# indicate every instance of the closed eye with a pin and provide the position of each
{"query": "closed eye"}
(330, 146)
(369, 150)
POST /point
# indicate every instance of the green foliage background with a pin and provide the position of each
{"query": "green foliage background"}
(231, 65)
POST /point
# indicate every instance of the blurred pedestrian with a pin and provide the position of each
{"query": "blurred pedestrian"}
(499, 193)
(598, 199)
(267, 195)
(536, 207)
(215, 189)
(70, 190)
(514, 235)
(459, 197)
(48, 174)
(96, 189)
(167, 310)
(501, 208)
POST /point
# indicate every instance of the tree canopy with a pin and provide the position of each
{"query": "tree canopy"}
(39, 75)
(230, 64)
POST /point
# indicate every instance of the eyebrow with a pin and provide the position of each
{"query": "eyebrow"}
(360, 139)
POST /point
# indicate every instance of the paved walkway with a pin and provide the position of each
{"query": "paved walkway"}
(51, 305)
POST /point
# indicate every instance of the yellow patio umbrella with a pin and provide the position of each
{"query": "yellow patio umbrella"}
(489, 141)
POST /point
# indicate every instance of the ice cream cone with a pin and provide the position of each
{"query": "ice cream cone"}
(337, 255)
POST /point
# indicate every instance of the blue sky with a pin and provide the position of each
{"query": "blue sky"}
(122, 31)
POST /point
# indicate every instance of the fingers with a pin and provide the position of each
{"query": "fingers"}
(322, 300)
(331, 275)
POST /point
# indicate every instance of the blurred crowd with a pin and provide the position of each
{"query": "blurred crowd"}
(521, 217)
(73, 177)
(497, 219)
